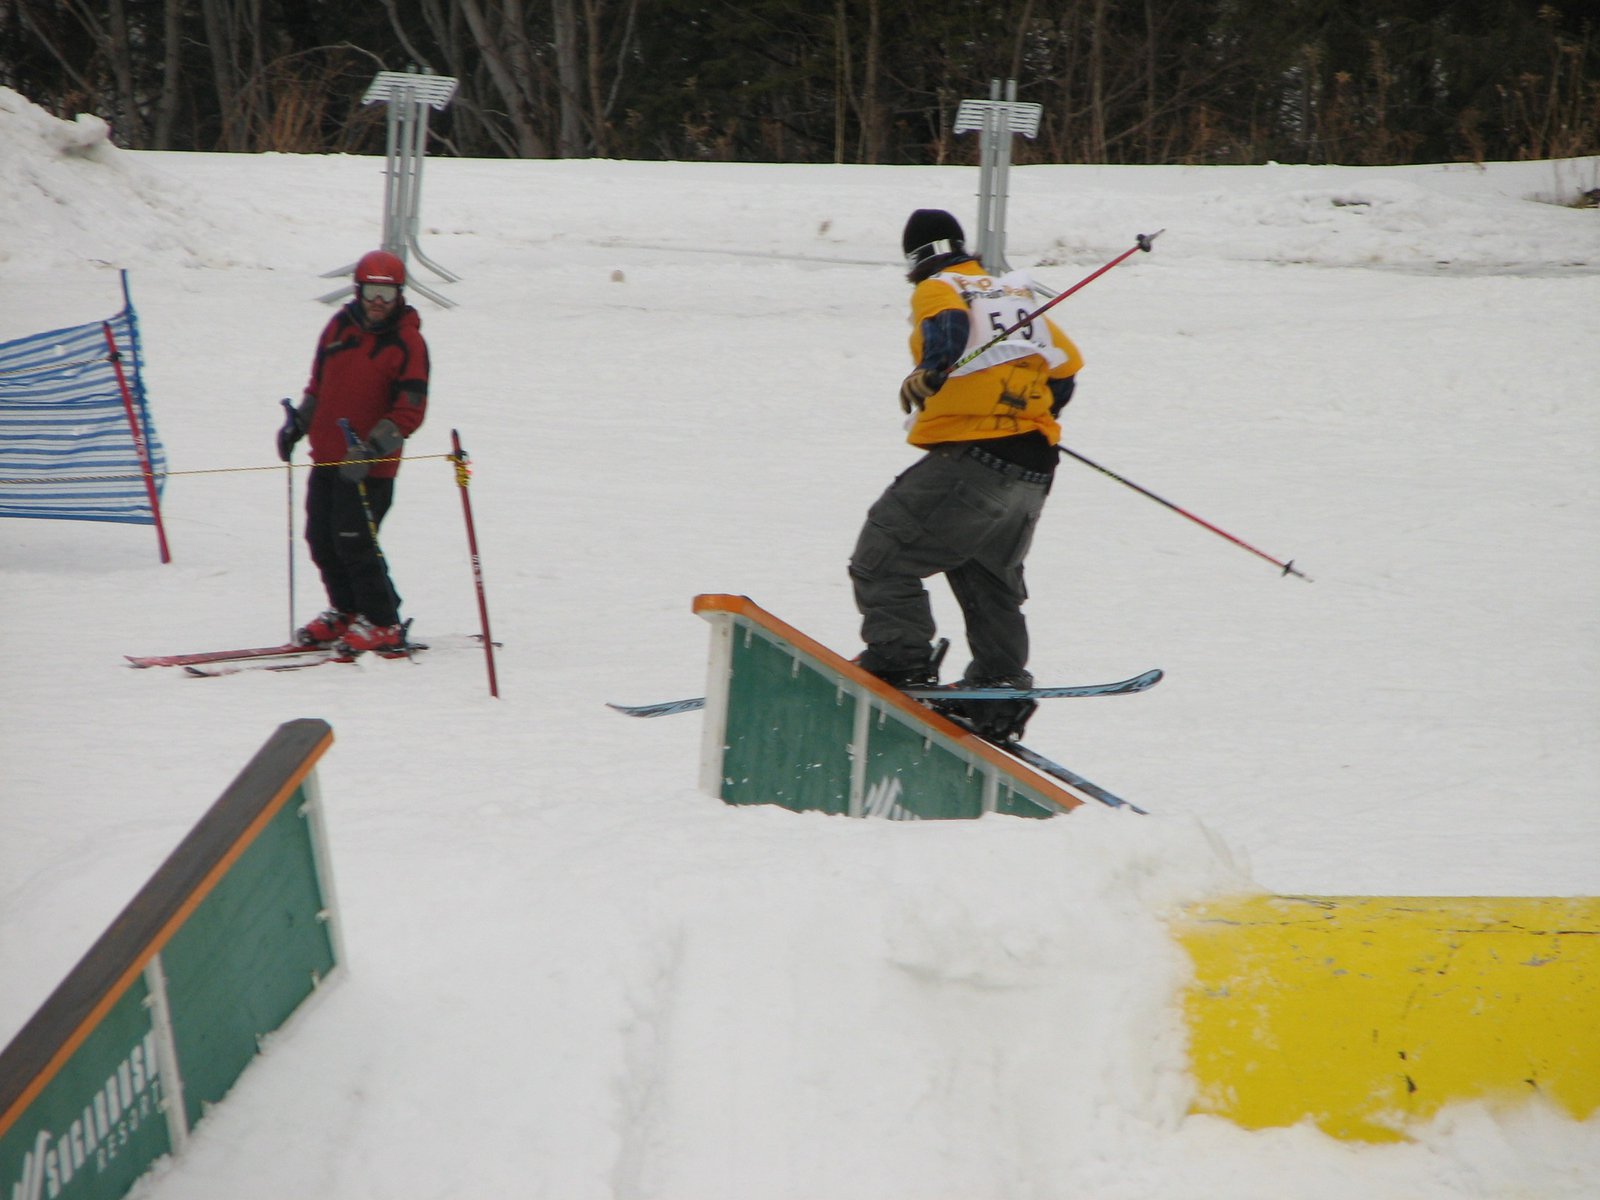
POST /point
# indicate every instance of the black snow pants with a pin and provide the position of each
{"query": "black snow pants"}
(972, 519)
(353, 568)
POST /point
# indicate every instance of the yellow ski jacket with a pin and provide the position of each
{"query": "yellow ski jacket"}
(1003, 392)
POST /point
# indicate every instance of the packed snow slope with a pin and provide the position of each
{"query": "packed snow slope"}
(574, 976)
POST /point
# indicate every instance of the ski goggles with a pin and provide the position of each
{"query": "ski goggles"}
(915, 258)
(387, 293)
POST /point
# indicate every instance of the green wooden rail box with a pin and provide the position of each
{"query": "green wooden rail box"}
(789, 722)
(156, 1022)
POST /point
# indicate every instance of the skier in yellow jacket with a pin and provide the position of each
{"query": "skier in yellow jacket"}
(969, 507)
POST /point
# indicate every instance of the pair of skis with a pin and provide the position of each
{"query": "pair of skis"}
(1026, 754)
(1122, 687)
(290, 656)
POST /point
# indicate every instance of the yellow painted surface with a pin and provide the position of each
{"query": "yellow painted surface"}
(1363, 1013)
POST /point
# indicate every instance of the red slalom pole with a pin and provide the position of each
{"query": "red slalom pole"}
(463, 474)
(1288, 567)
(140, 446)
(1142, 242)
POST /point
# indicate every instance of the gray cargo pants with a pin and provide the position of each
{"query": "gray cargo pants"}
(954, 515)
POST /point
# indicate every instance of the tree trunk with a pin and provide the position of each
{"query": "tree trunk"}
(841, 78)
(527, 140)
(172, 59)
(594, 89)
(1017, 47)
(219, 38)
(1097, 84)
(119, 50)
(569, 79)
(1150, 98)
(871, 112)
(603, 95)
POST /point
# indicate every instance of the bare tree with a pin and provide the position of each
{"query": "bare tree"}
(171, 71)
(872, 122)
(41, 28)
(119, 50)
(218, 23)
(843, 88)
(865, 103)
(501, 38)
(454, 54)
(1096, 148)
(615, 49)
(569, 75)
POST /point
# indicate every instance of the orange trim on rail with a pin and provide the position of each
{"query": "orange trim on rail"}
(115, 992)
(743, 606)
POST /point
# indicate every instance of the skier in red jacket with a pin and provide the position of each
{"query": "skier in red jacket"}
(371, 371)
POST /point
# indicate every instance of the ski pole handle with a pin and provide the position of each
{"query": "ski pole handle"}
(355, 448)
(290, 432)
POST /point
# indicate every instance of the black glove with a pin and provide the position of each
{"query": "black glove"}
(918, 386)
(293, 430)
(1060, 392)
(382, 442)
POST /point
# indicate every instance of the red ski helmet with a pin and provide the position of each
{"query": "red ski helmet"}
(379, 266)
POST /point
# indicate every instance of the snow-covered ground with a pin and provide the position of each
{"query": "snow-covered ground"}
(574, 976)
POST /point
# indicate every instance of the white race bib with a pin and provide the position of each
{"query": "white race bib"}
(996, 304)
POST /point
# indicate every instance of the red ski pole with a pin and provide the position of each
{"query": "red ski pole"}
(1288, 567)
(463, 474)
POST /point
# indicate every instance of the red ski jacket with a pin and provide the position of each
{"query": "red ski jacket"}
(363, 376)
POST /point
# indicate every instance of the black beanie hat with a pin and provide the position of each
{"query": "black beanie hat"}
(932, 241)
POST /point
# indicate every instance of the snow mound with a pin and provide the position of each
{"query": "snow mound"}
(79, 197)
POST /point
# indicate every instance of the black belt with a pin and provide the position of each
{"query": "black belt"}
(995, 463)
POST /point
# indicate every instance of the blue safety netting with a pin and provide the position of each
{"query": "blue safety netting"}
(67, 447)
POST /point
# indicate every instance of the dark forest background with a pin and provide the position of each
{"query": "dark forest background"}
(849, 81)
